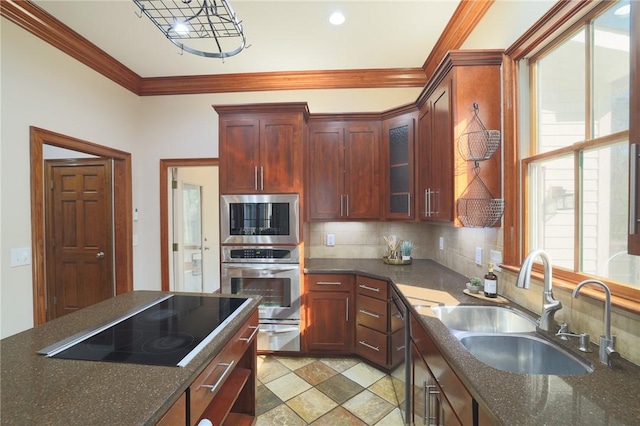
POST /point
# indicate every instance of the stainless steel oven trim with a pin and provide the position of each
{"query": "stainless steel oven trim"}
(235, 270)
(294, 254)
(294, 216)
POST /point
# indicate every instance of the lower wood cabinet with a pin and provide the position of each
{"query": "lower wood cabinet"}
(225, 391)
(449, 392)
(329, 307)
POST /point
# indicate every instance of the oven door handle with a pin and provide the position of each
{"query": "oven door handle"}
(260, 270)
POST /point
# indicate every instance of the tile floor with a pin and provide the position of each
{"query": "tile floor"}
(296, 391)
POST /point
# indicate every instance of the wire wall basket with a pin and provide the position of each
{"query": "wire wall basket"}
(477, 143)
(477, 208)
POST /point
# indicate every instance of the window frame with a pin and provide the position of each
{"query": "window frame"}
(562, 19)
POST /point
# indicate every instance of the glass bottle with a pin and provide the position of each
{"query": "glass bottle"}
(491, 283)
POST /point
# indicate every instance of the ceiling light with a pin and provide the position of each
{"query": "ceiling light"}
(187, 22)
(623, 10)
(337, 18)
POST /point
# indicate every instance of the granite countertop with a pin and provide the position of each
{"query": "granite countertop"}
(607, 396)
(40, 390)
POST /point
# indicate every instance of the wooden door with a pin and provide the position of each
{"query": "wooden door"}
(442, 153)
(362, 171)
(79, 234)
(424, 164)
(240, 148)
(280, 155)
(326, 172)
(330, 319)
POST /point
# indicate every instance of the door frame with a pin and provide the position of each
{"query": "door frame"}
(122, 207)
(165, 165)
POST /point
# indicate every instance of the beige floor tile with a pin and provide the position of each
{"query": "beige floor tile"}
(311, 404)
(281, 416)
(384, 389)
(363, 374)
(340, 364)
(316, 372)
(369, 407)
(394, 418)
(293, 363)
(288, 386)
(270, 369)
(338, 417)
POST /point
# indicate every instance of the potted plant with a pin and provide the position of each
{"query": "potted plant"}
(406, 247)
(474, 285)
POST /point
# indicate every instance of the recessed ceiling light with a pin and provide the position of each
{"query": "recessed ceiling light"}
(623, 10)
(337, 18)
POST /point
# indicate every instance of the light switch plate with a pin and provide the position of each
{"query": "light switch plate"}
(496, 259)
(20, 256)
(441, 243)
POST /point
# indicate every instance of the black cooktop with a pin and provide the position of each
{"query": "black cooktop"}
(170, 332)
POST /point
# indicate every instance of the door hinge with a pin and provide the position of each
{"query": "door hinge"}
(174, 184)
(51, 184)
(175, 246)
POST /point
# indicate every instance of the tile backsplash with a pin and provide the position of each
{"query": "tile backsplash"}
(364, 240)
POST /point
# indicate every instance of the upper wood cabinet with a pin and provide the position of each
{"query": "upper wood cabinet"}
(398, 147)
(261, 148)
(446, 106)
(344, 170)
(634, 131)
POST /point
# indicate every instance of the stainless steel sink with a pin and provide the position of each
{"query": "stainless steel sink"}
(484, 319)
(523, 354)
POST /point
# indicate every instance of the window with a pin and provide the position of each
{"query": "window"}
(577, 162)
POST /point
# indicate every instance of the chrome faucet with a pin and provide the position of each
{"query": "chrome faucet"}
(607, 342)
(549, 305)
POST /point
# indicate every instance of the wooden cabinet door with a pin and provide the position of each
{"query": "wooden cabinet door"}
(330, 321)
(362, 171)
(424, 163)
(398, 167)
(280, 155)
(326, 171)
(240, 151)
(442, 154)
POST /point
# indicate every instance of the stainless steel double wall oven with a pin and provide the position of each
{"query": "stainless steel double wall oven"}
(260, 256)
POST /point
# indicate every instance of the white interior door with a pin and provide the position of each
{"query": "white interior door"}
(195, 219)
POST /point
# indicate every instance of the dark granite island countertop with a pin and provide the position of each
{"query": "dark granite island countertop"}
(39, 390)
(607, 396)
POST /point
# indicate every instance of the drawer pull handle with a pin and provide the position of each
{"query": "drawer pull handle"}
(375, 348)
(371, 314)
(255, 330)
(366, 287)
(400, 348)
(224, 374)
(329, 283)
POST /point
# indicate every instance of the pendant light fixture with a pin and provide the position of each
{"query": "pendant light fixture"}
(208, 28)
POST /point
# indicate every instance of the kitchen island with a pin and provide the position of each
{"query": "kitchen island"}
(607, 396)
(39, 390)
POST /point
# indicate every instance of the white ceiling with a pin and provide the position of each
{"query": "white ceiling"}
(282, 35)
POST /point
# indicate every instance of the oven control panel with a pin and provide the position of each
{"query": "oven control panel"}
(283, 254)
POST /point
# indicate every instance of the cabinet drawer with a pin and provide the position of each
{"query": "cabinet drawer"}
(372, 288)
(371, 344)
(372, 313)
(329, 282)
(206, 386)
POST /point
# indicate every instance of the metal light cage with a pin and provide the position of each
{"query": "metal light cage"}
(184, 21)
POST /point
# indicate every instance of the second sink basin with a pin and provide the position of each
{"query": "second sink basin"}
(523, 354)
(484, 319)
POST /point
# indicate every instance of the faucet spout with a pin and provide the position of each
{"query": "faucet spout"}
(607, 342)
(549, 305)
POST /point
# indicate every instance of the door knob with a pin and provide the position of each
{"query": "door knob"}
(100, 255)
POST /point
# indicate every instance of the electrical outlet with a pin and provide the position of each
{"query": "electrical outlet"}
(331, 240)
(478, 255)
(441, 243)
(496, 259)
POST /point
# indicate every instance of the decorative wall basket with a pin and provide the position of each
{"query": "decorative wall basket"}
(477, 208)
(477, 143)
